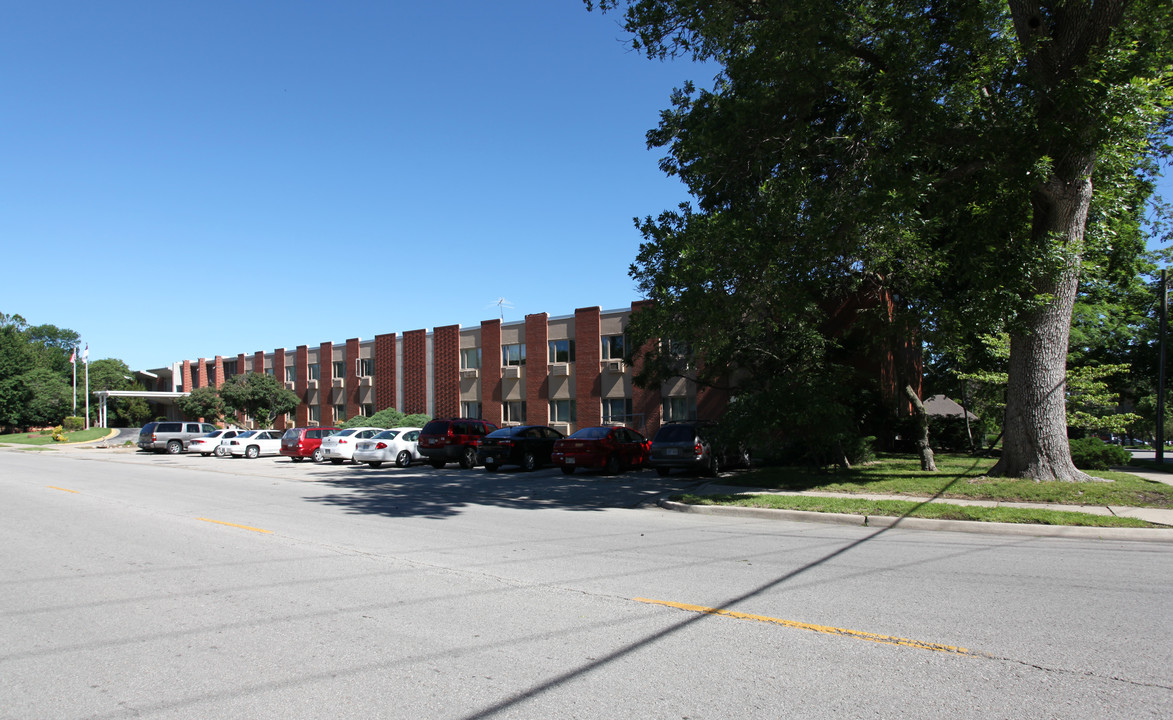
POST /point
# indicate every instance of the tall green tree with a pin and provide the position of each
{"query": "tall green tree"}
(39, 397)
(204, 402)
(259, 396)
(970, 157)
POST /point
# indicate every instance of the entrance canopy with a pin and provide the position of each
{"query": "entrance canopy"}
(159, 398)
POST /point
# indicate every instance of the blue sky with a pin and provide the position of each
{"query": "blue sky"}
(183, 180)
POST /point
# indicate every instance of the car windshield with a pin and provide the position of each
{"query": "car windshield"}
(344, 433)
(292, 434)
(217, 433)
(675, 433)
(386, 435)
(436, 427)
(247, 433)
(593, 433)
(506, 432)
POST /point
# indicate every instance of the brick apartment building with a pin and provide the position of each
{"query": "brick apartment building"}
(566, 371)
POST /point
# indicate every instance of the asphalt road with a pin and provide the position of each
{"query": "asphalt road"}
(150, 586)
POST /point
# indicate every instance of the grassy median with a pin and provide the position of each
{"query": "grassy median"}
(37, 438)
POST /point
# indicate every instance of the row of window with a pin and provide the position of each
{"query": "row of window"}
(557, 351)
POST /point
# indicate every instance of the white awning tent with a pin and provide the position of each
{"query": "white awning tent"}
(161, 398)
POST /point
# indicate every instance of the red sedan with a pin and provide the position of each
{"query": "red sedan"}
(609, 448)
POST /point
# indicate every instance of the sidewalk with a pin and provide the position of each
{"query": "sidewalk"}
(1159, 516)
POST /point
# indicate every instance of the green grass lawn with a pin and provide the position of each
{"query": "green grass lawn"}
(958, 476)
(908, 508)
(36, 438)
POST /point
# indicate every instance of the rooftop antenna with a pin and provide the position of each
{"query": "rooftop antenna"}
(501, 304)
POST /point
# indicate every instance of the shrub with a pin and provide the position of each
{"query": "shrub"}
(1095, 454)
(74, 423)
(59, 434)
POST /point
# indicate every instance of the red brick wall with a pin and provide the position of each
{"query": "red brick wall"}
(218, 377)
(491, 371)
(240, 368)
(259, 362)
(201, 376)
(537, 381)
(326, 382)
(646, 403)
(353, 407)
(415, 372)
(186, 379)
(384, 371)
(446, 364)
(301, 384)
(279, 373)
(587, 369)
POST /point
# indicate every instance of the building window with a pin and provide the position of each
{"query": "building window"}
(339, 413)
(616, 411)
(229, 368)
(270, 371)
(363, 367)
(368, 409)
(290, 374)
(315, 414)
(562, 411)
(513, 411)
(679, 408)
(613, 347)
(470, 359)
(561, 351)
(471, 410)
(339, 369)
(513, 355)
(314, 371)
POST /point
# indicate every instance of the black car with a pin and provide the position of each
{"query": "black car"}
(693, 446)
(526, 445)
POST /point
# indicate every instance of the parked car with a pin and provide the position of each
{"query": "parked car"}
(300, 443)
(338, 447)
(399, 445)
(526, 445)
(254, 443)
(693, 446)
(211, 443)
(609, 448)
(171, 436)
(454, 440)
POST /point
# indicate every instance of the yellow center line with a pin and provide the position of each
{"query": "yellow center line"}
(54, 487)
(243, 527)
(827, 629)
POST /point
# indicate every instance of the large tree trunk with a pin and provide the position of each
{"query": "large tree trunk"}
(1035, 430)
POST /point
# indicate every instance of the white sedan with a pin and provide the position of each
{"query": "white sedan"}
(254, 443)
(340, 446)
(213, 443)
(398, 445)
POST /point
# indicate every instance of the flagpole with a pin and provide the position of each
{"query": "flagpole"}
(86, 359)
(73, 362)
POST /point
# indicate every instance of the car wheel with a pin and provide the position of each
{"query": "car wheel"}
(438, 464)
(297, 459)
(336, 461)
(174, 447)
(613, 466)
(317, 456)
(663, 471)
(468, 459)
(219, 452)
(377, 463)
(567, 469)
(403, 459)
(205, 454)
(714, 465)
(252, 452)
(528, 462)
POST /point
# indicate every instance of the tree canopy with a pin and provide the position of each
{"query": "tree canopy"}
(259, 396)
(968, 159)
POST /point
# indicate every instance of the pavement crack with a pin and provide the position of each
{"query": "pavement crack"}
(1079, 673)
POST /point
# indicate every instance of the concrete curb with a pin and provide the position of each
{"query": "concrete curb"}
(1160, 535)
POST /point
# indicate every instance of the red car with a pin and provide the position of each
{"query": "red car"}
(609, 448)
(300, 443)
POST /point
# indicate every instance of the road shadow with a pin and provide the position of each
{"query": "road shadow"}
(421, 491)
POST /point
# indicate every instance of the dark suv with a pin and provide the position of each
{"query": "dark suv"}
(693, 446)
(300, 443)
(455, 440)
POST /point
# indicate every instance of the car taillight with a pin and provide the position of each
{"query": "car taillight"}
(154, 438)
(341, 442)
(381, 446)
(698, 450)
